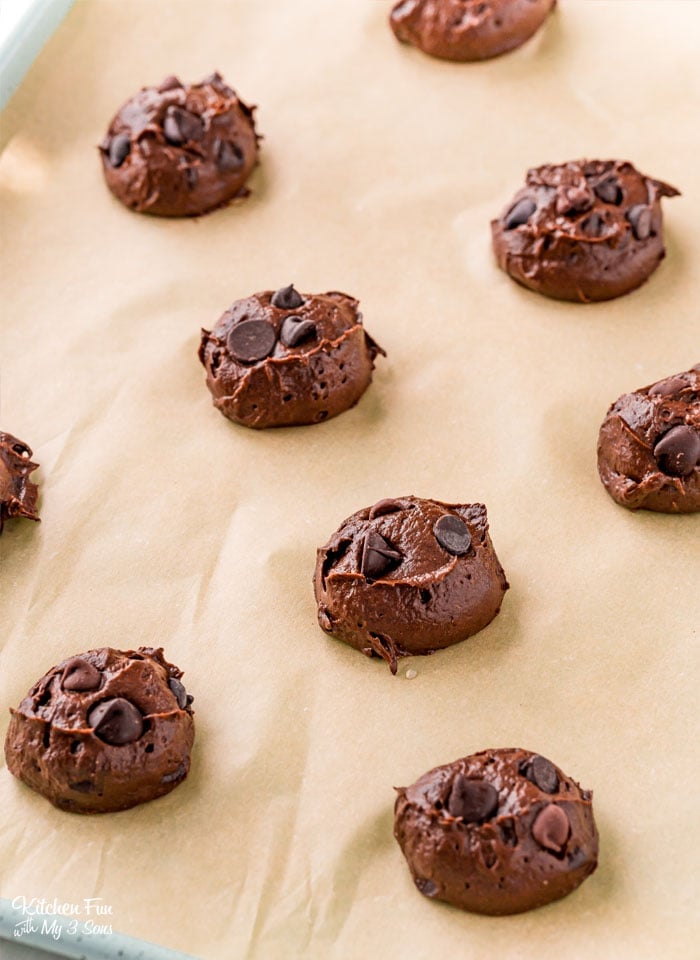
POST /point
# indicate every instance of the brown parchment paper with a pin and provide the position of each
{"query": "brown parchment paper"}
(164, 524)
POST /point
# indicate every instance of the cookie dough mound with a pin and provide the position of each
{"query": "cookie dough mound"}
(103, 731)
(583, 231)
(649, 446)
(468, 29)
(409, 576)
(18, 495)
(499, 832)
(282, 358)
(179, 150)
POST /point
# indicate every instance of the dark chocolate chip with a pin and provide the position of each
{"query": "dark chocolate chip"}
(119, 149)
(176, 775)
(82, 786)
(229, 155)
(640, 219)
(542, 773)
(287, 298)
(593, 226)
(178, 689)
(296, 330)
(520, 213)
(668, 386)
(453, 535)
(472, 800)
(252, 340)
(383, 507)
(677, 453)
(116, 721)
(22, 450)
(551, 828)
(378, 556)
(426, 887)
(609, 191)
(170, 83)
(180, 126)
(80, 675)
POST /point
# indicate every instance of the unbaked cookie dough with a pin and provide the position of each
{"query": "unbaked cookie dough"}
(583, 231)
(649, 446)
(281, 358)
(499, 832)
(409, 576)
(103, 731)
(179, 150)
(18, 494)
(468, 29)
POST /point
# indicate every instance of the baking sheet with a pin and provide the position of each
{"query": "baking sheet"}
(164, 524)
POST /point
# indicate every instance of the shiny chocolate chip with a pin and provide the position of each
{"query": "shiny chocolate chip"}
(426, 887)
(593, 226)
(287, 298)
(252, 340)
(542, 773)
(170, 83)
(176, 775)
(116, 721)
(79, 675)
(378, 556)
(551, 828)
(229, 156)
(119, 149)
(609, 191)
(383, 507)
(181, 696)
(677, 453)
(180, 126)
(472, 800)
(296, 330)
(666, 387)
(520, 213)
(639, 217)
(453, 535)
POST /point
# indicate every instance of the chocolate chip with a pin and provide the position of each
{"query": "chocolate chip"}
(426, 887)
(520, 213)
(609, 191)
(640, 219)
(383, 507)
(180, 126)
(551, 828)
(287, 298)
(677, 453)
(593, 226)
(229, 155)
(191, 176)
(116, 721)
(472, 800)
(119, 149)
(296, 330)
(378, 556)
(80, 675)
(252, 340)
(666, 387)
(176, 775)
(542, 773)
(453, 535)
(82, 786)
(178, 689)
(170, 83)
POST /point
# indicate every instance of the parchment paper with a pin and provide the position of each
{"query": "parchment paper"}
(164, 524)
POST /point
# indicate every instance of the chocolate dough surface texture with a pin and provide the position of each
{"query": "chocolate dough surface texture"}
(649, 446)
(582, 231)
(103, 731)
(18, 495)
(281, 358)
(408, 576)
(499, 832)
(179, 150)
(468, 29)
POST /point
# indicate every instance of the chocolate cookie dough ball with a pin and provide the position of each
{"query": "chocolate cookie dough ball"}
(280, 359)
(18, 495)
(499, 832)
(468, 29)
(103, 731)
(649, 446)
(585, 230)
(408, 577)
(179, 150)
